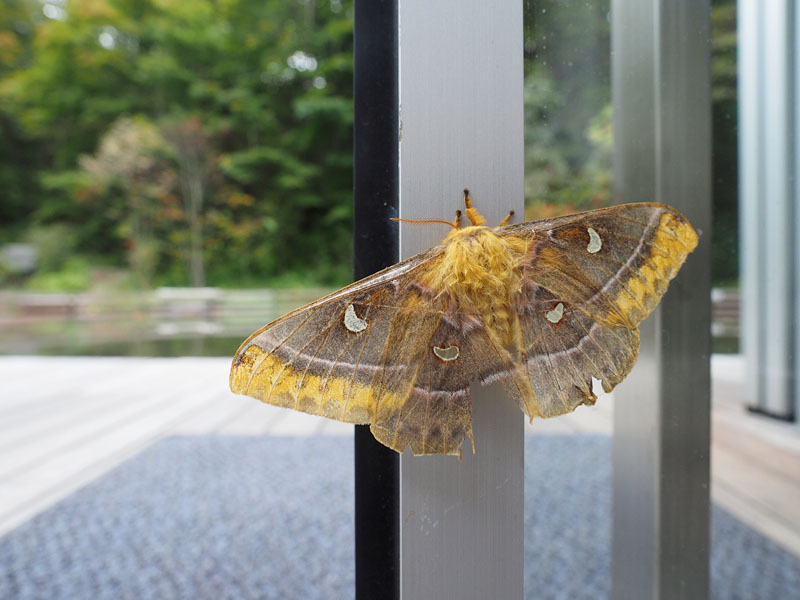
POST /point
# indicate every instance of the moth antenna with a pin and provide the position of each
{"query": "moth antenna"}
(423, 221)
(472, 214)
(505, 221)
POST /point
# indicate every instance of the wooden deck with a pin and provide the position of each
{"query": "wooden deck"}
(66, 421)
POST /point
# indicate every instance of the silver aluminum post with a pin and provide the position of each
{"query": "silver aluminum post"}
(751, 184)
(661, 98)
(777, 304)
(769, 89)
(461, 125)
(796, 208)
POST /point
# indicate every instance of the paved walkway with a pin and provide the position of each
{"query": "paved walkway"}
(64, 422)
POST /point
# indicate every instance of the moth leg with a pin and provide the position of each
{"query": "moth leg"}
(505, 221)
(457, 221)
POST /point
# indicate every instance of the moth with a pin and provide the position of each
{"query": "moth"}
(542, 307)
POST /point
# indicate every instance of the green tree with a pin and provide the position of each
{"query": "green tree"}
(129, 169)
(725, 158)
(567, 106)
(19, 158)
(267, 85)
(197, 164)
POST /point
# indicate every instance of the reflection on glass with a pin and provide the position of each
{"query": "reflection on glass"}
(755, 540)
(568, 138)
(172, 176)
(568, 146)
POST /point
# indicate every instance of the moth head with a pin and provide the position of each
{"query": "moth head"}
(465, 233)
(476, 219)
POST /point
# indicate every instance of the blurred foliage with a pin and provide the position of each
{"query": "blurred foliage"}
(725, 157)
(72, 276)
(192, 142)
(567, 95)
(568, 119)
(210, 142)
(55, 243)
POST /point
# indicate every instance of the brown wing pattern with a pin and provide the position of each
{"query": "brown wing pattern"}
(386, 374)
(636, 249)
(311, 361)
(437, 416)
(589, 280)
(562, 353)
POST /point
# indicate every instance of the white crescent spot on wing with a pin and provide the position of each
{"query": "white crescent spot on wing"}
(352, 321)
(595, 243)
(555, 315)
(446, 354)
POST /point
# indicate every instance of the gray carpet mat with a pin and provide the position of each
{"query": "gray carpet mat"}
(259, 517)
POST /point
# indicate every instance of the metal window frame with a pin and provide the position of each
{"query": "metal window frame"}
(796, 207)
(461, 124)
(375, 185)
(662, 152)
(769, 197)
(460, 525)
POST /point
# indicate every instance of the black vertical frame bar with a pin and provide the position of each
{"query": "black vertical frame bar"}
(375, 91)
